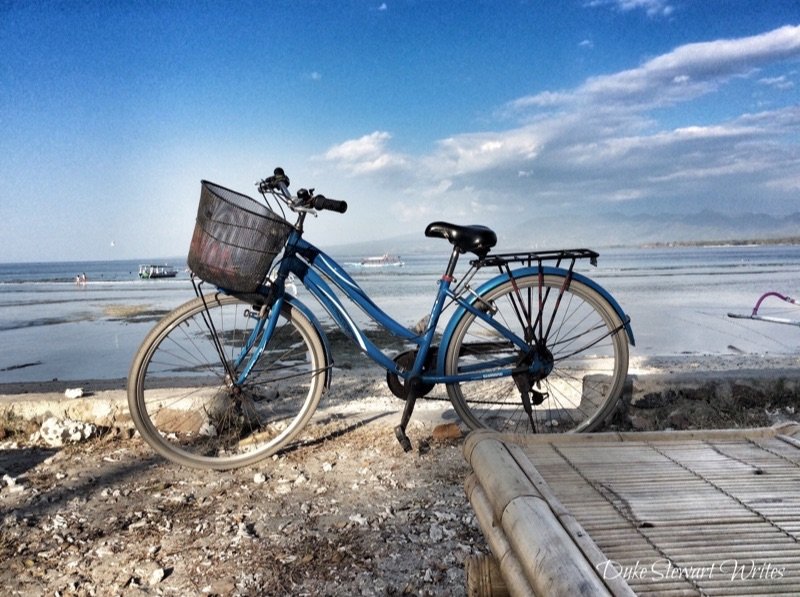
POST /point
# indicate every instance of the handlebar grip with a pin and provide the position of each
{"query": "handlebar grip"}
(321, 202)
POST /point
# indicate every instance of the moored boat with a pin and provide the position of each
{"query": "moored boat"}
(157, 271)
(384, 260)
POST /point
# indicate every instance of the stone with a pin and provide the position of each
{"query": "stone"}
(56, 432)
(447, 431)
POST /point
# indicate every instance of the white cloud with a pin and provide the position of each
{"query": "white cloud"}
(367, 154)
(783, 83)
(653, 8)
(357, 149)
(478, 151)
(586, 43)
(683, 74)
(545, 99)
(602, 143)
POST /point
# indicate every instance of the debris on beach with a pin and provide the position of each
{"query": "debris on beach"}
(73, 393)
(56, 432)
(350, 514)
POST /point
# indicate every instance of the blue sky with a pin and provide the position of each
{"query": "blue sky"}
(477, 112)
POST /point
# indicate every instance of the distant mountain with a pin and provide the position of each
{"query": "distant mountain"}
(404, 244)
(605, 230)
(618, 229)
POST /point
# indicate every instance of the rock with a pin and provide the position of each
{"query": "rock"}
(359, 519)
(56, 433)
(346, 516)
(447, 431)
(681, 417)
(284, 487)
(73, 393)
(436, 533)
(639, 423)
(156, 577)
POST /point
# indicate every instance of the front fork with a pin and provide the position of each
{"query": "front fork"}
(266, 321)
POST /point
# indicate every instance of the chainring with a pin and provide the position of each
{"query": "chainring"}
(405, 360)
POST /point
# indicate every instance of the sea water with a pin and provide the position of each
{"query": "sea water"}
(678, 299)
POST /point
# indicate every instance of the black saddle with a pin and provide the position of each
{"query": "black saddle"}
(475, 239)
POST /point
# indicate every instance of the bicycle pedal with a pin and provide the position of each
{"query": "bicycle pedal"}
(538, 397)
(401, 436)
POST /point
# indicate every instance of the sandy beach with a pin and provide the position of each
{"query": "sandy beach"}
(346, 512)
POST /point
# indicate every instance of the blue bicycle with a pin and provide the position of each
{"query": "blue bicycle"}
(234, 375)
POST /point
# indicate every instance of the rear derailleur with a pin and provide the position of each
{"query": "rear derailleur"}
(528, 381)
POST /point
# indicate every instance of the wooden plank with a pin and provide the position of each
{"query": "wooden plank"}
(692, 500)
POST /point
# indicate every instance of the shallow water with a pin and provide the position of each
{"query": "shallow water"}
(677, 298)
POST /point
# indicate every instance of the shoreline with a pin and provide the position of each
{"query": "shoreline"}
(702, 365)
(57, 386)
(675, 392)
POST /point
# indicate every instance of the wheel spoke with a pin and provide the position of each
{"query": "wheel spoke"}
(576, 372)
(185, 404)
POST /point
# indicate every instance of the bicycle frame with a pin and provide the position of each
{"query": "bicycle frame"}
(222, 381)
(313, 267)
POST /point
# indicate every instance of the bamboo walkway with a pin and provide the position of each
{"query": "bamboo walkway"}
(668, 513)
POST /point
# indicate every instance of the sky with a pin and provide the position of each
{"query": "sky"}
(112, 112)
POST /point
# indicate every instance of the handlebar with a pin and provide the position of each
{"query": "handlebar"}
(321, 202)
(278, 185)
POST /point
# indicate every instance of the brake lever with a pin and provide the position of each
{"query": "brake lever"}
(306, 210)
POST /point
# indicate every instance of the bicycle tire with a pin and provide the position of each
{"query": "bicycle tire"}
(179, 400)
(589, 349)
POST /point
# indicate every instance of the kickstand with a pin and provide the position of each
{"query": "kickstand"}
(400, 430)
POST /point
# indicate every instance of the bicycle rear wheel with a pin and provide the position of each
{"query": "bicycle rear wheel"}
(586, 352)
(184, 404)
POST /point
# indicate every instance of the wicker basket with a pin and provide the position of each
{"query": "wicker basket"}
(235, 239)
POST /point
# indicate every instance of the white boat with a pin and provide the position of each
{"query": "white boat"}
(384, 260)
(157, 271)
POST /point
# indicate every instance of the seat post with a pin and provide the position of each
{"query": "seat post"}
(451, 265)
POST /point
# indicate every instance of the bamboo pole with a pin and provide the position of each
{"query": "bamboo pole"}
(552, 563)
(513, 574)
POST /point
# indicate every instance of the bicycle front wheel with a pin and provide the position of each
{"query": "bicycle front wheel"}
(583, 351)
(182, 399)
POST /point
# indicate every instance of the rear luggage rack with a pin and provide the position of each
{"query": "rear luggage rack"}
(501, 259)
